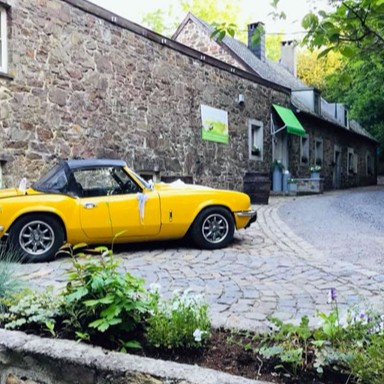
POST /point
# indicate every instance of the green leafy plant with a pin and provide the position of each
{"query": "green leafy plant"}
(100, 300)
(333, 345)
(289, 342)
(315, 168)
(39, 310)
(277, 164)
(181, 322)
(368, 365)
(8, 283)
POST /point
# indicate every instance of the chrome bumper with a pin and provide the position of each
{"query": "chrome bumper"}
(251, 214)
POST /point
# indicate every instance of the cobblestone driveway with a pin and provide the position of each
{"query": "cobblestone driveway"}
(267, 270)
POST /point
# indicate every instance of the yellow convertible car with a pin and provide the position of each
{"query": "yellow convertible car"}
(100, 201)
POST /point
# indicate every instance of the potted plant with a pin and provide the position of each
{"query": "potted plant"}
(277, 164)
(256, 151)
(292, 185)
(315, 171)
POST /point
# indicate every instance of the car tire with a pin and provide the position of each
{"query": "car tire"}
(213, 228)
(36, 238)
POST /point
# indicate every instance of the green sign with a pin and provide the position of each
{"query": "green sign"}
(214, 124)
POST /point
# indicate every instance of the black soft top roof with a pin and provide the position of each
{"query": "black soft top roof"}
(91, 163)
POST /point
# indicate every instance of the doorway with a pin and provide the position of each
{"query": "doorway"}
(337, 168)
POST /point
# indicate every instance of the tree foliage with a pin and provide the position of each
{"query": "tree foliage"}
(211, 11)
(315, 71)
(355, 28)
(223, 14)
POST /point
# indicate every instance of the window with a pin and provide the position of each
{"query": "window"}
(352, 162)
(304, 150)
(103, 181)
(256, 139)
(369, 165)
(319, 152)
(3, 40)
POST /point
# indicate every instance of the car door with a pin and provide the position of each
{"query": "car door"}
(93, 186)
(95, 219)
(134, 211)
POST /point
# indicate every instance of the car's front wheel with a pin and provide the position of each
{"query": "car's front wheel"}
(36, 237)
(213, 228)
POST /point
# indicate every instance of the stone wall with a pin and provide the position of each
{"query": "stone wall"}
(87, 84)
(192, 36)
(26, 359)
(332, 135)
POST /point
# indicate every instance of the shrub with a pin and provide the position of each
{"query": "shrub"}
(334, 345)
(368, 365)
(181, 322)
(8, 283)
(32, 309)
(99, 300)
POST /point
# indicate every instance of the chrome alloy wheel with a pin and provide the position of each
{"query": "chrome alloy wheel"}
(36, 237)
(215, 228)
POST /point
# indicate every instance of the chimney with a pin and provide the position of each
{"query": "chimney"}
(257, 49)
(288, 56)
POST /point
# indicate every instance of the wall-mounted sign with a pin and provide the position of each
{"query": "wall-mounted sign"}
(214, 124)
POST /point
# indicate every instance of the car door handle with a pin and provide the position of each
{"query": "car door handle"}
(89, 205)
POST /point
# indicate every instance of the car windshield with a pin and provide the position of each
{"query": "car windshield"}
(142, 181)
(53, 181)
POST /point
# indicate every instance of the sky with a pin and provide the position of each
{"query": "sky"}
(252, 11)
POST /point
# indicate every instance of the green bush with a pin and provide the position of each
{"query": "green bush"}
(99, 300)
(333, 345)
(32, 309)
(8, 283)
(181, 322)
(368, 365)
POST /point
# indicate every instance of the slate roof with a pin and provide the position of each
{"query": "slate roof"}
(268, 70)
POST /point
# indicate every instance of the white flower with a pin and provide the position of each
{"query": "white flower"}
(154, 288)
(176, 305)
(197, 335)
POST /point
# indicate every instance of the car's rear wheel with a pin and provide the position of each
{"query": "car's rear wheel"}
(36, 237)
(213, 228)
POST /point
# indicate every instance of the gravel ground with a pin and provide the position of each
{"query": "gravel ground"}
(348, 225)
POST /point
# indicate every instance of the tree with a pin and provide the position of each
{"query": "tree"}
(354, 28)
(211, 11)
(314, 71)
(224, 14)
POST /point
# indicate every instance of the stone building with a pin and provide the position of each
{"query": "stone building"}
(344, 150)
(79, 81)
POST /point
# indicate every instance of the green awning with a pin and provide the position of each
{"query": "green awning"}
(290, 120)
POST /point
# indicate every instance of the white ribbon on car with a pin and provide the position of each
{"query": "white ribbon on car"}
(23, 184)
(142, 197)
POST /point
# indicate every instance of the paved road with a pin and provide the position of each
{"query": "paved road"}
(269, 269)
(347, 226)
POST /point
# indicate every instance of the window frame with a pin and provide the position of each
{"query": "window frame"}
(319, 152)
(369, 169)
(304, 150)
(3, 39)
(352, 162)
(255, 138)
